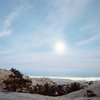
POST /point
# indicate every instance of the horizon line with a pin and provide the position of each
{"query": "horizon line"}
(70, 78)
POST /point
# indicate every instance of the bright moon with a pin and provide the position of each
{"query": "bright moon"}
(60, 48)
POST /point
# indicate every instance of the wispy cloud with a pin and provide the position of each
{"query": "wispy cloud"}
(44, 61)
(89, 40)
(5, 33)
(7, 30)
(66, 10)
(11, 17)
(63, 11)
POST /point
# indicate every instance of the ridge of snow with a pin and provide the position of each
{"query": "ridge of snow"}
(94, 87)
(26, 96)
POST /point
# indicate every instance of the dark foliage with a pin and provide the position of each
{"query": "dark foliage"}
(90, 93)
(56, 90)
(16, 82)
(17, 73)
(74, 87)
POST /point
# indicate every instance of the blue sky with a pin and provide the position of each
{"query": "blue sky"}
(50, 37)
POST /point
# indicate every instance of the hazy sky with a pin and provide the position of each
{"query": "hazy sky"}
(50, 37)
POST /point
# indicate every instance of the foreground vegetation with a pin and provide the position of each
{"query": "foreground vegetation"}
(17, 82)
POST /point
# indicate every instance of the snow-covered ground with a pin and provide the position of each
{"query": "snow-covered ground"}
(94, 87)
(77, 95)
(25, 96)
(63, 80)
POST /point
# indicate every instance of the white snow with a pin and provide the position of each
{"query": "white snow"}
(25, 96)
(78, 95)
(94, 87)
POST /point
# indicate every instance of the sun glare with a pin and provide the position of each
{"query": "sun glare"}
(60, 48)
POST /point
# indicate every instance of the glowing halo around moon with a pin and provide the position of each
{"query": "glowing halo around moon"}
(60, 48)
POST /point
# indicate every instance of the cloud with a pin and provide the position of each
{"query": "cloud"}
(11, 17)
(89, 40)
(53, 30)
(43, 61)
(5, 33)
(66, 10)
(63, 12)
(8, 22)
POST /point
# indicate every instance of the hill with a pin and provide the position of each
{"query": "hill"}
(4, 74)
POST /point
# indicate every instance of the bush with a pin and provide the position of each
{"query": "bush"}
(56, 90)
(17, 73)
(17, 83)
(90, 93)
(74, 87)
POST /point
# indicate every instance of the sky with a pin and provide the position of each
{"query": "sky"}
(51, 37)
